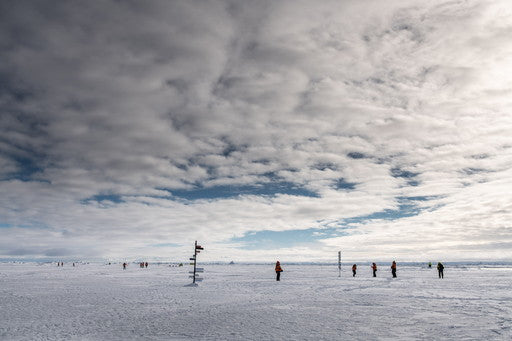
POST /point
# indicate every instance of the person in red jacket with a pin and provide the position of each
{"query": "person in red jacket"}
(279, 269)
(374, 269)
(393, 269)
(354, 268)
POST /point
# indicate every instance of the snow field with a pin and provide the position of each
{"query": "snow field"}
(244, 302)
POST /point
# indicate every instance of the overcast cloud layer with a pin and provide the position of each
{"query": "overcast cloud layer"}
(264, 129)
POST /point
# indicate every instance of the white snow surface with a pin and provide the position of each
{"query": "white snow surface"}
(244, 302)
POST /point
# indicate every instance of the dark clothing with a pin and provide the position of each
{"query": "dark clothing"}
(440, 269)
(374, 272)
(393, 269)
(278, 275)
(353, 273)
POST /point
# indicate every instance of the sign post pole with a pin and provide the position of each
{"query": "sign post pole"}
(197, 249)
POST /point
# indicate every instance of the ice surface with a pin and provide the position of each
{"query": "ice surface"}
(244, 302)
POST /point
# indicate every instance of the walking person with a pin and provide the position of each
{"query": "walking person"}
(124, 266)
(393, 269)
(279, 269)
(354, 269)
(440, 269)
(374, 269)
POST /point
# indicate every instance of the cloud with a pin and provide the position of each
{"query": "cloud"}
(125, 125)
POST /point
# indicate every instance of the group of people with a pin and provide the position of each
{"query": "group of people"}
(142, 265)
(374, 269)
(440, 269)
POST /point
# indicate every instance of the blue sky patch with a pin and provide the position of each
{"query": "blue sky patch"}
(115, 198)
(285, 239)
(356, 155)
(400, 173)
(27, 167)
(225, 191)
(342, 184)
(410, 176)
(290, 238)
(418, 198)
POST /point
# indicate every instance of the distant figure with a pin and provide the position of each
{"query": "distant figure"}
(440, 269)
(146, 264)
(354, 268)
(278, 271)
(73, 264)
(430, 265)
(58, 263)
(124, 266)
(393, 269)
(374, 269)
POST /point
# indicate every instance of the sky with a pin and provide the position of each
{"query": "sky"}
(265, 130)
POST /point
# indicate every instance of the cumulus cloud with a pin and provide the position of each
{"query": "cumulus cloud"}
(290, 116)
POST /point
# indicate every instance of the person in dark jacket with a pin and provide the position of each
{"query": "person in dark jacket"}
(279, 269)
(374, 269)
(393, 269)
(354, 269)
(440, 269)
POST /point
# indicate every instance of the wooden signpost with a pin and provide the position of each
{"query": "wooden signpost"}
(196, 270)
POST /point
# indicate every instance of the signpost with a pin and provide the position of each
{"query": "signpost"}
(196, 270)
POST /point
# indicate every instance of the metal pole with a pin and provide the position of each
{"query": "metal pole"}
(339, 263)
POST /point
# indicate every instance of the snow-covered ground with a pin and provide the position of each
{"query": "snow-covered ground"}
(244, 302)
